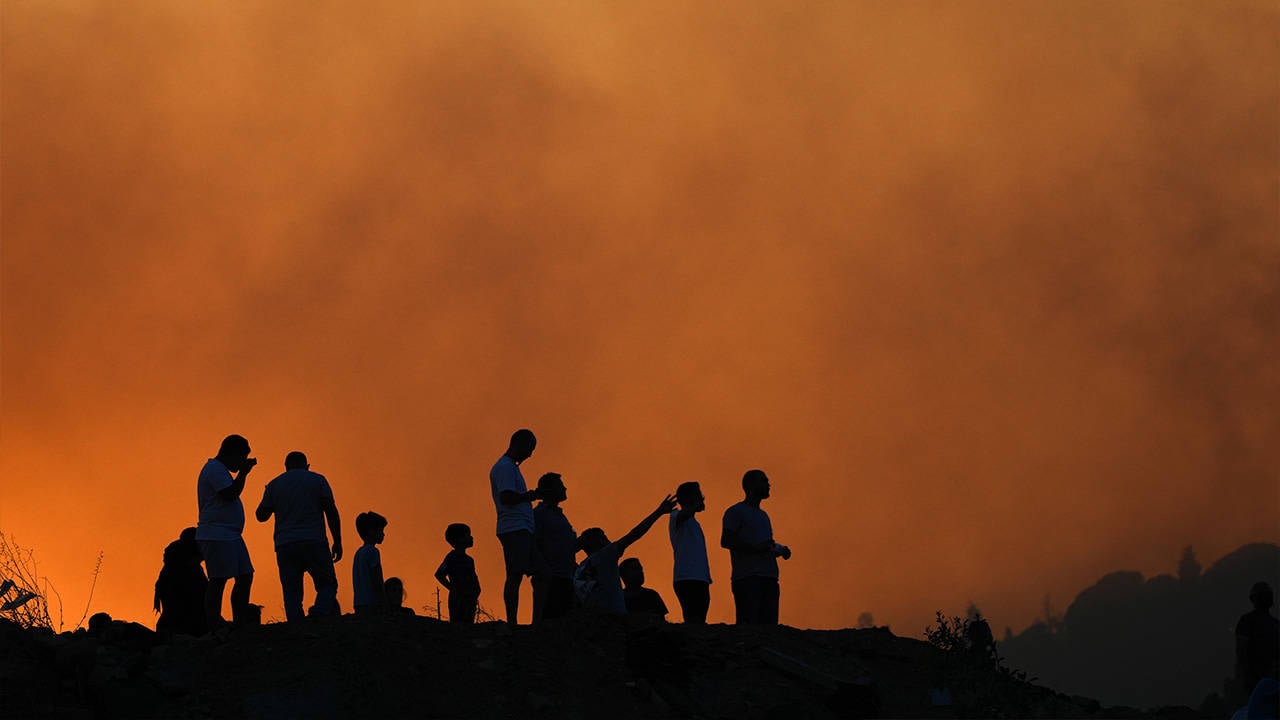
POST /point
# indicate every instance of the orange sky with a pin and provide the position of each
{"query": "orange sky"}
(989, 289)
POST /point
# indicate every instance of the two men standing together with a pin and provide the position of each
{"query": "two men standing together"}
(302, 503)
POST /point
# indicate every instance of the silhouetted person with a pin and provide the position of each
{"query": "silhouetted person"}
(557, 550)
(181, 587)
(302, 502)
(639, 599)
(1257, 639)
(396, 595)
(692, 575)
(748, 535)
(512, 499)
(458, 575)
(220, 531)
(596, 580)
(366, 568)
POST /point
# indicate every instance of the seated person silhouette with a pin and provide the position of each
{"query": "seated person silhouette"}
(596, 581)
(1257, 640)
(640, 600)
(396, 595)
(181, 587)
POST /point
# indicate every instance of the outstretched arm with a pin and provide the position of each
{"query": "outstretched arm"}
(665, 507)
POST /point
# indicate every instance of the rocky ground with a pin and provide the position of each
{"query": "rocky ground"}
(582, 667)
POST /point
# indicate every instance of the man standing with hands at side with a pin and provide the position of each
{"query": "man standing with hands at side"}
(302, 502)
(753, 554)
(513, 501)
(220, 532)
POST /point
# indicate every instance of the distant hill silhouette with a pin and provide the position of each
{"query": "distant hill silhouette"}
(1167, 640)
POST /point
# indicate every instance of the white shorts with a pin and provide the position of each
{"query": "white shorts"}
(226, 558)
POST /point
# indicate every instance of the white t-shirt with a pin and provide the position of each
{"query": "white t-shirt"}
(362, 575)
(689, 546)
(220, 519)
(505, 475)
(298, 498)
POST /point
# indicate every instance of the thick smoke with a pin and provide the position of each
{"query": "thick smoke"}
(988, 288)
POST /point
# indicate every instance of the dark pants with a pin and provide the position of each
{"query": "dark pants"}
(313, 558)
(552, 597)
(462, 608)
(695, 598)
(755, 600)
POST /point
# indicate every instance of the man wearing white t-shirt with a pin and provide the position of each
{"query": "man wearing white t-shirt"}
(220, 531)
(513, 501)
(692, 576)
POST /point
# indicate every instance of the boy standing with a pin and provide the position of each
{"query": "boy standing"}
(692, 576)
(366, 569)
(557, 546)
(458, 575)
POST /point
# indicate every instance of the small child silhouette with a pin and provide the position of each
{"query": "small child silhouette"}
(640, 599)
(366, 569)
(458, 575)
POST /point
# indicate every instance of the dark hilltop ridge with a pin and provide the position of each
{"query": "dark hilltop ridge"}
(585, 666)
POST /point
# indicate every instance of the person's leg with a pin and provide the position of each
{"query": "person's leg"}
(769, 594)
(220, 564)
(559, 597)
(541, 584)
(244, 581)
(324, 577)
(213, 602)
(747, 601)
(695, 599)
(517, 548)
(291, 563)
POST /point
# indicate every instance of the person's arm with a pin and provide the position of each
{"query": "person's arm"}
(442, 575)
(266, 507)
(379, 585)
(511, 497)
(232, 491)
(335, 527)
(665, 507)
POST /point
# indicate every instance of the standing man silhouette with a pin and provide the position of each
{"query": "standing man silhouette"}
(302, 502)
(220, 531)
(753, 554)
(513, 501)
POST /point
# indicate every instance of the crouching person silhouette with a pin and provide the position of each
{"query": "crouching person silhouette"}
(180, 588)
(596, 581)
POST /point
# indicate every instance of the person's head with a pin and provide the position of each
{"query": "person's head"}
(395, 591)
(522, 444)
(631, 572)
(458, 535)
(187, 534)
(1262, 596)
(296, 460)
(591, 540)
(551, 488)
(755, 484)
(371, 527)
(233, 452)
(689, 495)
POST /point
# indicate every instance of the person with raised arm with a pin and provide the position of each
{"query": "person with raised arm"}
(220, 531)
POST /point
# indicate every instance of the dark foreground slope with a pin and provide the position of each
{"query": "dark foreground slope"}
(585, 667)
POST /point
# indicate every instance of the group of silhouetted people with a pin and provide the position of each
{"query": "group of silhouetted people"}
(537, 542)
